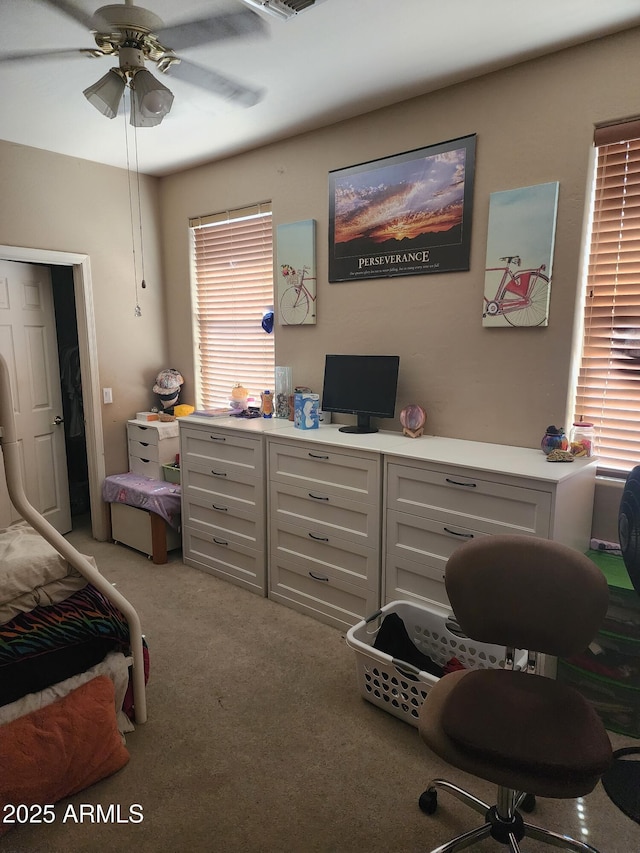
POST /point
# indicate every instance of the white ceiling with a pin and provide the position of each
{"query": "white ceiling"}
(338, 59)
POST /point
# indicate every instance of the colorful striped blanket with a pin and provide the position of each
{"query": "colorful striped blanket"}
(84, 616)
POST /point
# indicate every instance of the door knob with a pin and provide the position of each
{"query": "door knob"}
(57, 421)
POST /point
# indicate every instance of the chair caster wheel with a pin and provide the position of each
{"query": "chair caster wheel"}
(528, 804)
(428, 801)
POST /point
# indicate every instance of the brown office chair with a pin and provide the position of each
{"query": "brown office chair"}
(527, 733)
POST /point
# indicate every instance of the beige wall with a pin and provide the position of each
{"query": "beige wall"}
(69, 205)
(534, 123)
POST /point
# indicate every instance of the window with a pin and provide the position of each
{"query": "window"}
(608, 385)
(232, 282)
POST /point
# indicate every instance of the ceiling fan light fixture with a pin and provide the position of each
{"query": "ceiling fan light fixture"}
(150, 100)
(106, 94)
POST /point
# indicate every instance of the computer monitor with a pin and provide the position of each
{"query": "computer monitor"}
(361, 385)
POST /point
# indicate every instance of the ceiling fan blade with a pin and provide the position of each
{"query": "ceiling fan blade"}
(212, 29)
(49, 54)
(215, 82)
(89, 19)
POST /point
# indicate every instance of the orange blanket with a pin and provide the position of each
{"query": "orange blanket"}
(61, 749)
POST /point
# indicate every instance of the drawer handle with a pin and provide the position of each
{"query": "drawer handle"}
(144, 443)
(219, 541)
(218, 473)
(319, 538)
(461, 535)
(146, 461)
(318, 577)
(220, 508)
(318, 497)
(456, 483)
(217, 438)
(317, 456)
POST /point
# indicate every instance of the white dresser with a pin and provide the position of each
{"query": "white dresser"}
(151, 445)
(324, 524)
(224, 499)
(440, 493)
(336, 524)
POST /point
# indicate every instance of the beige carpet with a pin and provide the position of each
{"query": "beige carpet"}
(258, 740)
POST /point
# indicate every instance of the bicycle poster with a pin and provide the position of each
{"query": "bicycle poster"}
(409, 214)
(296, 272)
(520, 243)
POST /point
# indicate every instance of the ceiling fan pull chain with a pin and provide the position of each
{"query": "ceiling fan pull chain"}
(137, 310)
(143, 283)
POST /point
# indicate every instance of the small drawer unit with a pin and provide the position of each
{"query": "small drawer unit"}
(143, 530)
(151, 445)
(223, 503)
(324, 529)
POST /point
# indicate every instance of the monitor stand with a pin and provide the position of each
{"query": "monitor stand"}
(363, 426)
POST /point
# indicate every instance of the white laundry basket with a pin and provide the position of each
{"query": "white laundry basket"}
(399, 687)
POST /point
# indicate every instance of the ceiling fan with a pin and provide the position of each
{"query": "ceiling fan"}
(136, 35)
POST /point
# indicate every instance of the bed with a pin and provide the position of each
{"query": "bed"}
(73, 662)
(54, 624)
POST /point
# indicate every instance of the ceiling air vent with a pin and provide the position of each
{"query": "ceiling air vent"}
(282, 8)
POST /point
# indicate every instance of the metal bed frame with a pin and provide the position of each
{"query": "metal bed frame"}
(15, 486)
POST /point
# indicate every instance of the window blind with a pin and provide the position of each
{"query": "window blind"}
(233, 288)
(608, 387)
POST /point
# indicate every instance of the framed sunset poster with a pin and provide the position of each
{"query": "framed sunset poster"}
(409, 214)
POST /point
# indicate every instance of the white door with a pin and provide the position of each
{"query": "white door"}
(28, 344)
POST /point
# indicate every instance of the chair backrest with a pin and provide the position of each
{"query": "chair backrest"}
(526, 593)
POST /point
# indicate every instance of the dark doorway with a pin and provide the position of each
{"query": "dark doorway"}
(71, 382)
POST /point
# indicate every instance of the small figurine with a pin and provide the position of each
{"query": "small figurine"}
(239, 398)
(266, 404)
(554, 439)
(413, 419)
(167, 387)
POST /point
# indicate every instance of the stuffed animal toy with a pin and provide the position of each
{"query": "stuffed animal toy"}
(167, 387)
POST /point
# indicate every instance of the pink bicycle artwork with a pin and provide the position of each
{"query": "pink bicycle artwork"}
(297, 299)
(522, 296)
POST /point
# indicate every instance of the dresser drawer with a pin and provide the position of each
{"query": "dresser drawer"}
(333, 515)
(327, 597)
(457, 497)
(407, 580)
(143, 450)
(225, 559)
(146, 434)
(316, 467)
(222, 451)
(325, 554)
(229, 520)
(222, 484)
(153, 433)
(146, 467)
(425, 539)
(164, 453)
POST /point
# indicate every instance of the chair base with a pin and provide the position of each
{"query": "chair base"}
(503, 822)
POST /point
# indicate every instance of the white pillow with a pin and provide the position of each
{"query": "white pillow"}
(32, 572)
